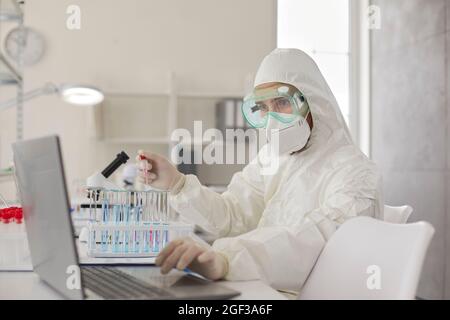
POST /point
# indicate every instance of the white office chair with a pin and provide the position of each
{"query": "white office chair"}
(397, 214)
(365, 252)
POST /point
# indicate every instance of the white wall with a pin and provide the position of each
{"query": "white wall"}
(410, 108)
(128, 47)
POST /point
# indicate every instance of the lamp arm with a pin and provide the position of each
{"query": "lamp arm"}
(47, 89)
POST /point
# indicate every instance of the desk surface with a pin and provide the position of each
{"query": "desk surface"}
(27, 285)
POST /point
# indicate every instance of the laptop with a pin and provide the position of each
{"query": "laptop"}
(45, 202)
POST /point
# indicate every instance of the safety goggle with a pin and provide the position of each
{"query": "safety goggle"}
(282, 102)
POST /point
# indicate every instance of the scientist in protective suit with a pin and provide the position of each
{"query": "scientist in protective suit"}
(273, 227)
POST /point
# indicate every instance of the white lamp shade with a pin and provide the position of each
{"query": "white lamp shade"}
(81, 95)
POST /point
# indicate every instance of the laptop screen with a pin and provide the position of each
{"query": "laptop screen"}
(43, 193)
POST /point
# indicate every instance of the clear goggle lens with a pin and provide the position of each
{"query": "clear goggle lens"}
(281, 105)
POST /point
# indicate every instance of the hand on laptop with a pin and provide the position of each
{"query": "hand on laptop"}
(186, 253)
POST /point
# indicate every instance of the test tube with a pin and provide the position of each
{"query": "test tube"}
(164, 207)
(91, 240)
(105, 207)
(142, 243)
(146, 242)
(139, 207)
(137, 241)
(148, 206)
(133, 241)
(123, 203)
(158, 206)
(91, 204)
(115, 240)
(120, 206)
(126, 208)
(151, 237)
(109, 241)
(104, 240)
(125, 241)
(143, 206)
(136, 207)
(95, 198)
(130, 205)
(156, 238)
(165, 239)
(116, 213)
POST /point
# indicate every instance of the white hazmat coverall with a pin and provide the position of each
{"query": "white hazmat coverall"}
(273, 227)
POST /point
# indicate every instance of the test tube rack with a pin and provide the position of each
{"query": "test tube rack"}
(138, 240)
(130, 223)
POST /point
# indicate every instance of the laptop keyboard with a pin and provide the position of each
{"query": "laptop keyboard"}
(110, 283)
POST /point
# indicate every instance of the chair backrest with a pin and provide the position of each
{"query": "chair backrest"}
(370, 259)
(397, 214)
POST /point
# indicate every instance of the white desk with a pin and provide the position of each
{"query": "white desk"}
(27, 285)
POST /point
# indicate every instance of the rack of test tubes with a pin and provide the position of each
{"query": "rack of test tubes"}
(130, 223)
(14, 251)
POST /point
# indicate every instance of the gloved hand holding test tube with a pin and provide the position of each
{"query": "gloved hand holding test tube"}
(158, 173)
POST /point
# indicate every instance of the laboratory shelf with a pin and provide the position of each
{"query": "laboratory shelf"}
(169, 109)
(6, 177)
(6, 173)
(10, 11)
(181, 94)
(155, 140)
(208, 95)
(8, 74)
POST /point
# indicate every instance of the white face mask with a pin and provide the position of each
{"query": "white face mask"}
(287, 137)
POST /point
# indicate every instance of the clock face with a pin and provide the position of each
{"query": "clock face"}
(31, 42)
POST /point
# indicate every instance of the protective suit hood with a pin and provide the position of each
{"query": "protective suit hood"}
(294, 67)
